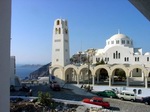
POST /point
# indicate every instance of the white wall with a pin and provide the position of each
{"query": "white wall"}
(60, 44)
(5, 22)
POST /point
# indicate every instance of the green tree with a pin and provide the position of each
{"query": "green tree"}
(44, 98)
(100, 63)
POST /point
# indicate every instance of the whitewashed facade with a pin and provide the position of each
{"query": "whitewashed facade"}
(119, 55)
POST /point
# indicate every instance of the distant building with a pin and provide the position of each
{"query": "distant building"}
(12, 70)
(14, 80)
(119, 62)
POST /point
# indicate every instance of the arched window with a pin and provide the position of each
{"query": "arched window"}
(125, 59)
(58, 22)
(59, 31)
(114, 55)
(66, 31)
(117, 41)
(147, 58)
(134, 90)
(56, 30)
(139, 91)
(119, 55)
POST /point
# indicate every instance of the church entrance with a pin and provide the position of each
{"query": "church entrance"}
(102, 76)
(119, 77)
(70, 76)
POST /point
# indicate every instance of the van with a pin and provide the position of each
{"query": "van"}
(127, 95)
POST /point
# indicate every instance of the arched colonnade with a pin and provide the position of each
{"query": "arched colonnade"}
(104, 74)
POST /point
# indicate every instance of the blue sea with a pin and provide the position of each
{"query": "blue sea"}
(23, 71)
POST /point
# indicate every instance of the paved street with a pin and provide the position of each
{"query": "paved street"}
(116, 104)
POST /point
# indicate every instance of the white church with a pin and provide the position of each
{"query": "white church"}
(124, 64)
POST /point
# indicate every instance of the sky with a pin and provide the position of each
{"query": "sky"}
(90, 22)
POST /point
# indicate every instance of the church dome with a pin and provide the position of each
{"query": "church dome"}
(119, 36)
(119, 40)
(136, 53)
(147, 53)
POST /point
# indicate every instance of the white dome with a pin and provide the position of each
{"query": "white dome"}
(136, 53)
(147, 53)
(119, 40)
(119, 36)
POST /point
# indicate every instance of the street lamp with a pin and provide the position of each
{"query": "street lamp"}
(88, 70)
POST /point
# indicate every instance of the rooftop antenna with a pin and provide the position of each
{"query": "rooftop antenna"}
(118, 31)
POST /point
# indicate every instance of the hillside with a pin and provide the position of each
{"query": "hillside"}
(41, 72)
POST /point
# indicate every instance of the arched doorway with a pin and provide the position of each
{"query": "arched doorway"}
(102, 76)
(136, 77)
(118, 77)
(70, 75)
(85, 76)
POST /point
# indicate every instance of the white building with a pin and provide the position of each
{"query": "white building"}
(60, 47)
(124, 64)
(119, 49)
(14, 80)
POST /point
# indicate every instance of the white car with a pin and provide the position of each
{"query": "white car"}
(127, 95)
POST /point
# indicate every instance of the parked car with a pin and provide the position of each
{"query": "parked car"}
(127, 95)
(97, 101)
(55, 86)
(146, 100)
(107, 93)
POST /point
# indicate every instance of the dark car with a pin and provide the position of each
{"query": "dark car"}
(54, 86)
(97, 101)
(107, 93)
(146, 100)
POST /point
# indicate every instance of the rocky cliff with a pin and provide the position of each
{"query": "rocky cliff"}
(41, 72)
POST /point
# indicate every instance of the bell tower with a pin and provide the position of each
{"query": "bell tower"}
(60, 43)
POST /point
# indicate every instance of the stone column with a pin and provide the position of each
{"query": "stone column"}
(112, 80)
(97, 78)
(5, 27)
(78, 79)
(127, 82)
(109, 81)
(146, 83)
(131, 74)
(93, 82)
(143, 76)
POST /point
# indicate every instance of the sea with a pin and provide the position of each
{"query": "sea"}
(23, 72)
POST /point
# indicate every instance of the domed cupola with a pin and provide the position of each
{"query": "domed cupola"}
(119, 40)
